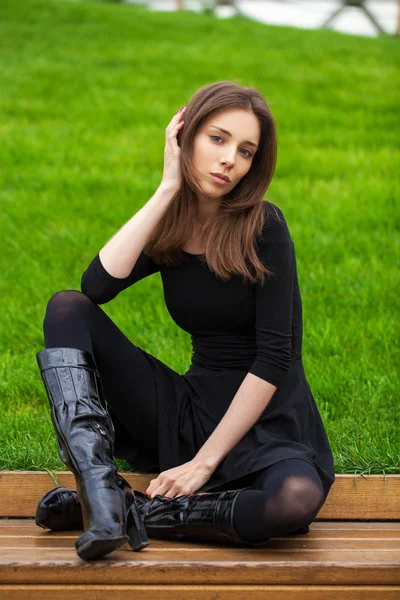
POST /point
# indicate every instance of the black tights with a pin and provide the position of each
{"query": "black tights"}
(72, 320)
(284, 497)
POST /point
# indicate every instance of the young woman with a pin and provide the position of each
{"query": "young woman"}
(240, 427)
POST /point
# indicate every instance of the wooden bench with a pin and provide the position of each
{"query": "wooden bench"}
(352, 552)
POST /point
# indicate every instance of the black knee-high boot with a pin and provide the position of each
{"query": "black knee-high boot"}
(60, 510)
(85, 435)
(204, 516)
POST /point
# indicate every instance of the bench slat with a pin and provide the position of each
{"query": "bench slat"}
(360, 497)
(339, 567)
(194, 592)
(375, 531)
(50, 558)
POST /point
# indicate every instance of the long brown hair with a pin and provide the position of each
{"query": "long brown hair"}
(230, 236)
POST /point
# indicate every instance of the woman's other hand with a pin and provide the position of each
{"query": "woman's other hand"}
(172, 176)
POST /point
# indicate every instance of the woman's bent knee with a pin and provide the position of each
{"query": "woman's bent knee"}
(67, 298)
(302, 498)
(68, 320)
(63, 304)
(65, 295)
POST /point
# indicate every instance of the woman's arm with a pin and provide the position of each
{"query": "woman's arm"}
(246, 407)
(121, 252)
(274, 304)
(121, 262)
(101, 287)
(273, 330)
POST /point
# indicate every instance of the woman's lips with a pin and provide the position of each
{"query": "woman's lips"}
(219, 180)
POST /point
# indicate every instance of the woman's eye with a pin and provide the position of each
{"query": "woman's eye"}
(249, 155)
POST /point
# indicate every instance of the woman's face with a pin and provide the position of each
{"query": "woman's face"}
(230, 152)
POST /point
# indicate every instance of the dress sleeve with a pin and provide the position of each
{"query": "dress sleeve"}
(101, 287)
(274, 302)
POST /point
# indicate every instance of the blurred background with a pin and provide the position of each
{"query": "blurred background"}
(87, 90)
(362, 17)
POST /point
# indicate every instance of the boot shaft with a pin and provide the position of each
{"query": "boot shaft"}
(204, 516)
(78, 409)
(85, 435)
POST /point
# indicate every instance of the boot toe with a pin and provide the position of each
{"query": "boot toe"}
(59, 510)
(89, 546)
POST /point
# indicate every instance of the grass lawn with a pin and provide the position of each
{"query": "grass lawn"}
(87, 90)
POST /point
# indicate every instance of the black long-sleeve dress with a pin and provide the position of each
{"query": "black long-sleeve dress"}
(236, 328)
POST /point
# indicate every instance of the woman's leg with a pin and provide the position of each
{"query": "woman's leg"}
(72, 320)
(86, 357)
(286, 496)
(283, 498)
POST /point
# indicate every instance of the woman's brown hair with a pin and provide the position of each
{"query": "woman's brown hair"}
(230, 237)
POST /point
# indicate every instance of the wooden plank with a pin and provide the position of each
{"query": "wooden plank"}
(48, 554)
(351, 497)
(20, 491)
(48, 558)
(48, 540)
(194, 592)
(20, 528)
(279, 544)
(29, 524)
(271, 568)
(308, 543)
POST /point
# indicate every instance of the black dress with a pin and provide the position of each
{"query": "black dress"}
(236, 328)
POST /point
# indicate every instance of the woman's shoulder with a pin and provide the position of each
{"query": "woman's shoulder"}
(275, 228)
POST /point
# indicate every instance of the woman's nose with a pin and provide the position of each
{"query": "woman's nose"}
(228, 161)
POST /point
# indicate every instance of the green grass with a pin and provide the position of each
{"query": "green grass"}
(87, 90)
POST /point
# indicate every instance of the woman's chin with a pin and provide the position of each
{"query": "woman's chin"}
(212, 191)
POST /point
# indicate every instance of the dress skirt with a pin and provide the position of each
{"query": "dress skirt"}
(190, 407)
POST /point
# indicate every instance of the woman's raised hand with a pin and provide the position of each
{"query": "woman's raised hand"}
(172, 176)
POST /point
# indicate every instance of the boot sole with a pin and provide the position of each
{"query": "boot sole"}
(96, 548)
